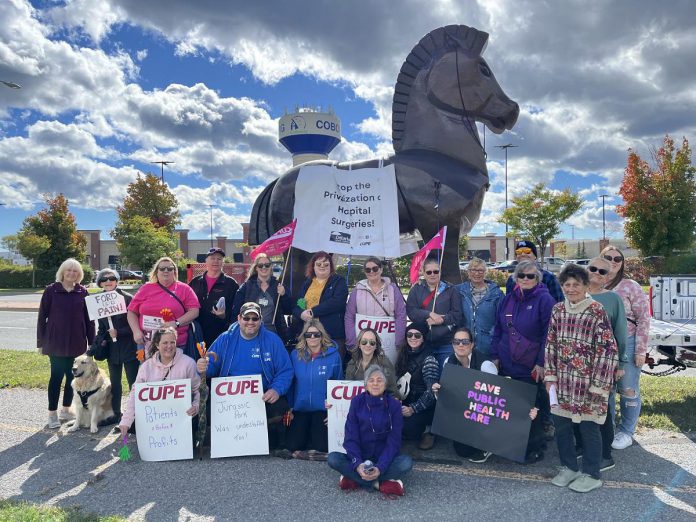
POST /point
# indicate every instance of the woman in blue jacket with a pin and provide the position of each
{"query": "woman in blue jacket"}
(324, 296)
(373, 440)
(480, 301)
(315, 361)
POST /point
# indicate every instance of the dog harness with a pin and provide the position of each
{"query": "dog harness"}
(84, 396)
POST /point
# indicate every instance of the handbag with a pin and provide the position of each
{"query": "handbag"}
(100, 347)
(522, 351)
(195, 332)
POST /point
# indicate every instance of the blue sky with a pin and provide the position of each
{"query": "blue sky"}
(109, 86)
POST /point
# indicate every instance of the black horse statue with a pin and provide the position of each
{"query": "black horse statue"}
(443, 88)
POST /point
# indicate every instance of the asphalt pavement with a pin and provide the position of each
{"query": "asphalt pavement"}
(655, 479)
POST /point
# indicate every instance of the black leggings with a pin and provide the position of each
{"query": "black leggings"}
(308, 431)
(60, 367)
(115, 371)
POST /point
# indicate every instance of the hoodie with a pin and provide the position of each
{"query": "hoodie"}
(308, 392)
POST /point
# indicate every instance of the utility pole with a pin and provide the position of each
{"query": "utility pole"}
(507, 240)
(162, 163)
(604, 227)
(211, 224)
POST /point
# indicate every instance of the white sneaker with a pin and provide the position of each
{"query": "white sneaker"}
(65, 415)
(53, 421)
(622, 441)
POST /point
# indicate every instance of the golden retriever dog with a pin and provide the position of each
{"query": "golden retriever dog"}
(92, 400)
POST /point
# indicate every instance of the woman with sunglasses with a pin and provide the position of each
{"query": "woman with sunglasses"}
(368, 352)
(165, 362)
(613, 305)
(263, 288)
(372, 440)
(376, 296)
(315, 361)
(466, 356)
(517, 347)
(435, 305)
(154, 307)
(324, 294)
(637, 310)
(417, 371)
(122, 351)
(580, 360)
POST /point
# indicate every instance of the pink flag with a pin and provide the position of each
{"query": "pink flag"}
(438, 241)
(277, 243)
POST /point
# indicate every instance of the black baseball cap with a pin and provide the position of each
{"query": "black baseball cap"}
(215, 251)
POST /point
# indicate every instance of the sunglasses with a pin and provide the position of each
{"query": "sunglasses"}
(602, 271)
(166, 268)
(110, 278)
(322, 264)
(312, 335)
(365, 342)
(615, 259)
(414, 335)
(523, 250)
(465, 342)
(431, 272)
(253, 318)
(373, 269)
(526, 276)
(263, 265)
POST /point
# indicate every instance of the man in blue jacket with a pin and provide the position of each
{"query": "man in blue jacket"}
(248, 348)
(526, 251)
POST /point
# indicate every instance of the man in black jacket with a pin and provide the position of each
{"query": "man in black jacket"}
(209, 288)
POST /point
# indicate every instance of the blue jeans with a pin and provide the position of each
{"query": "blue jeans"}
(441, 353)
(591, 445)
(399, 467)
(629, 389)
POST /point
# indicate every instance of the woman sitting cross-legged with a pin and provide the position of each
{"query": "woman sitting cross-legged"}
(373, 440)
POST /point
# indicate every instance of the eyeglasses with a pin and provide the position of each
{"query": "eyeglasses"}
(372, 269)
(477, 270)
(414, 335)
(386, 407)
(253, 318)
(615, 259)
(431, 272)
(312, 335)
(110, 278)
(602, 271)
(465, 342)
(526, 276)
(322, 264)
(365, 342)
(166, 268)
(523, 250)
(263, 265)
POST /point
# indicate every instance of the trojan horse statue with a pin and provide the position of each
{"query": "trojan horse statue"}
(444, 87)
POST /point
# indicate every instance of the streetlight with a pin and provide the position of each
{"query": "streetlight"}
(162, 163)
(604, 228)
(211, 224)
(11, 85)
(506, 147)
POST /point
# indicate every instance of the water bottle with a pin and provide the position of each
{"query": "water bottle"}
(368, 466)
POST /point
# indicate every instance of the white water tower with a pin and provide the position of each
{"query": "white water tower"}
(309, 134)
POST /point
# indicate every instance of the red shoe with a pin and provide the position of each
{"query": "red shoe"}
(392, 487)
(347, 484)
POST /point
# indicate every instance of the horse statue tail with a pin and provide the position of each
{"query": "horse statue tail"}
(260, 228)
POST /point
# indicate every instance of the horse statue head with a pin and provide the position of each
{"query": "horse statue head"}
(443, 88)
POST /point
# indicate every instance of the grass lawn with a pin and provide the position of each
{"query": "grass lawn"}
(14, 511)
(669, 403)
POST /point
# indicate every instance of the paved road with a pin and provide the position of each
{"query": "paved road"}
(18, 330)
(654, 480)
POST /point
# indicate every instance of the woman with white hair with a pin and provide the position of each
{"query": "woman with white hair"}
(63, 332)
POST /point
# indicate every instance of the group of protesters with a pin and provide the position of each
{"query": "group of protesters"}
(579, 339)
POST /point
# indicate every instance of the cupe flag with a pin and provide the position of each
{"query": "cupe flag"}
(277, 243)
(438, 241)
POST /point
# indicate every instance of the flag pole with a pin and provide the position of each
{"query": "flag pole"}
(442, 256)
(282, 279)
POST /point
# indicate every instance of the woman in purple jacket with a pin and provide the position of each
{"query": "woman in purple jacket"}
(373, 440)
(63, 332)
(517, 347)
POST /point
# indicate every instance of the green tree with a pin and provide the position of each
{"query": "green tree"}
(660, 201)
(463, 247)
(539, 214)
(147, 200)
(58, 224)
(31, 246)
(144, 243)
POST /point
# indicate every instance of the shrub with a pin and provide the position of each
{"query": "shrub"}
(685, 264)
(638, 270)
(20, 276)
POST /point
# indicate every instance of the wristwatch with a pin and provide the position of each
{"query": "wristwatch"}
(177, 323)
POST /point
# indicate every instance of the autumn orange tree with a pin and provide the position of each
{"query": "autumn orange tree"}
(660, 201)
